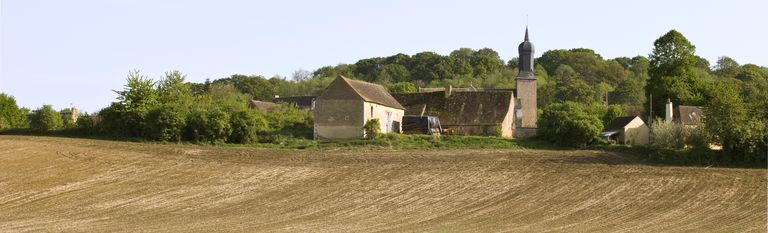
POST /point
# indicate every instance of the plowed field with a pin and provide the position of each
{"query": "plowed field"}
(59, 184)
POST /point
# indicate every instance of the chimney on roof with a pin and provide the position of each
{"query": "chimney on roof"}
(668, 116)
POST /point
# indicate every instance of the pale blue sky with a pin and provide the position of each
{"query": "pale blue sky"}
(77, 51)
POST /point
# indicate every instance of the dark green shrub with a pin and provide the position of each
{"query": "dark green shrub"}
(208, 126)
(667, 135)
(86, 123)
(166, 123)
(11, 116)
(246, 125)
(287, 116)
(45, 118)
(109, 121)
(372, 128)
(569, 124)
(402, 87)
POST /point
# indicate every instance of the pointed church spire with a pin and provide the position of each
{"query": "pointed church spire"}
(525, 61)
(526, 33)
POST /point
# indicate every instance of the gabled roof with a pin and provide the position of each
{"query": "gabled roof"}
(619, 123)
(344, 88)
(460, 108)
(304, 102)
(263, 106)
(464, 89)
(688, 115)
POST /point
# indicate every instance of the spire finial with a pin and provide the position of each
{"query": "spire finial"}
(526, 27)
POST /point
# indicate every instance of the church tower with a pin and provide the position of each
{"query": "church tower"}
(526, 91)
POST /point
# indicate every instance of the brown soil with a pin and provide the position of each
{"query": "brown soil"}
(59, 184)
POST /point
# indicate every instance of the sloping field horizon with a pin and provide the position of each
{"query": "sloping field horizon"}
(83, 185)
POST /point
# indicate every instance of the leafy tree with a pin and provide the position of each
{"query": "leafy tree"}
(742, 135)
(167, 122)
(173, 88)
(111, 123)
(300, 75)
(611, 113)
(402, 87)
(570, 87)
(226, 97)
(631, 91)
(428, 66)
(702, 64)
(333, 71)
(135, 101)
(611, 73)
(257, 87)
(486, 61)
(585, 62)
(463, 54)
(245, 126)
(672, 56)
(640, 65)
(726, 67)
(208, 126)
(552, 59)
(393, 73)
(569, 124)
(367, 69)
(286, 116)
(625, 62)
(751, 72)
(514, 62)
(672, 72)
(46, 118)
(200, 88)
(11, 116)
(602, 90)
(86, 123)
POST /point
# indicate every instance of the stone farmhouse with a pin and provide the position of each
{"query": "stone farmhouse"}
(466, 112)
(686, 116)
(346, 105)
(629, 130)
(473, 111)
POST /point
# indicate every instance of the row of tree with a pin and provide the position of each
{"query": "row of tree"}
(735, 97)
(172, 109)
(571, 81)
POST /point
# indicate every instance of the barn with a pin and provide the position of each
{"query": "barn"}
(628, 130)
(346, 105)
(481, 112)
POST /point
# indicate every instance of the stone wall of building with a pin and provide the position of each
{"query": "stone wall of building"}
(526, 92)
(339, 119)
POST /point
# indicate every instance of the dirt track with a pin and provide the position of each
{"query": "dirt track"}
(56, 184)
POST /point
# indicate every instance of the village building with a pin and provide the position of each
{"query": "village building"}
(263, 106)
(346, 105)
(467, 89)
(465, 113)
(509, 113)
(686, 116)
(305, 103)
(630, 130)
